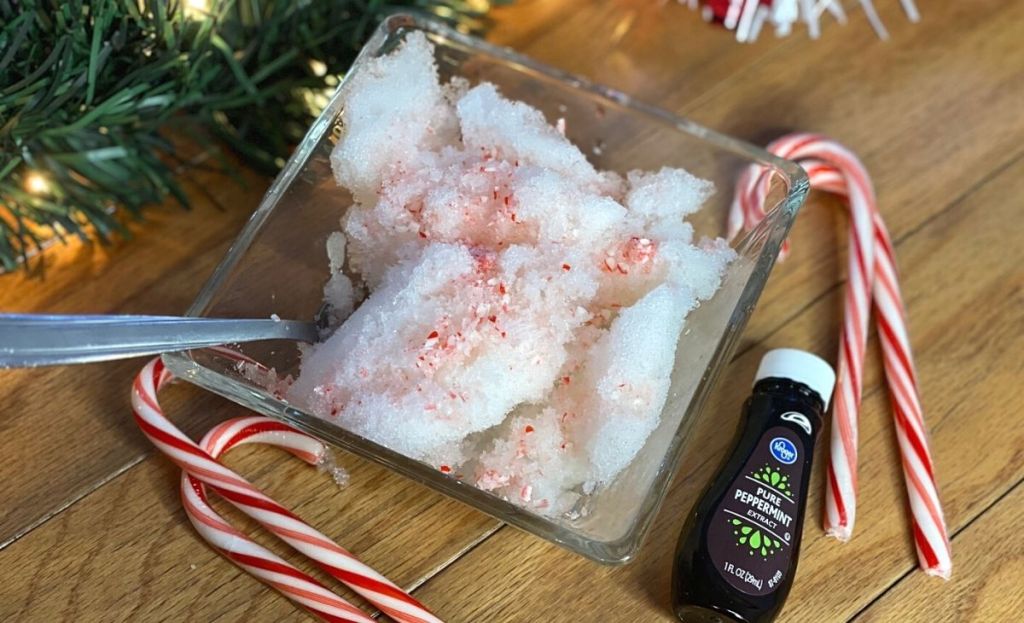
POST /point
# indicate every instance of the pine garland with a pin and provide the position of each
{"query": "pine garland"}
(89, 92)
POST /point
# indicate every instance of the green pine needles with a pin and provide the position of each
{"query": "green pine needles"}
(91, 91)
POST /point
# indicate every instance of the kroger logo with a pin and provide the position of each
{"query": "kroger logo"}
(784, 450)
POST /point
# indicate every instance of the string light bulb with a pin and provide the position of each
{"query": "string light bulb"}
(36, 183)
(319, 68)
(197, 8)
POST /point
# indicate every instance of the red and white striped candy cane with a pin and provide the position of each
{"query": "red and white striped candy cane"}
(238, 548)
(833, 168)
(334, 559)
(840, 502)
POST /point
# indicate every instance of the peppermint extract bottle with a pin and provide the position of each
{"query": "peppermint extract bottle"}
(737, 554)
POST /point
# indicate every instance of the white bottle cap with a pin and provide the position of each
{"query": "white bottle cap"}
(800, 366)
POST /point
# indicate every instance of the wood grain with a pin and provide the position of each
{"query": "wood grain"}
(892, 103)
(925, 141)
(834, 579)
(987, 584)
(127, 552)
(158, 272)
(90, 528)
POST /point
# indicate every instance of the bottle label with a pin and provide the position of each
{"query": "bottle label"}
(752, 530)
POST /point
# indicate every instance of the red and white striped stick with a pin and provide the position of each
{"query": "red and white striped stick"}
(872, 276)
(238, 548)
(205, 470)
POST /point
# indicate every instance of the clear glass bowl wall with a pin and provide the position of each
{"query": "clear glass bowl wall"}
(278, 265)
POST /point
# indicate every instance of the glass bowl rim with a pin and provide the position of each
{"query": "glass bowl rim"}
(620, 550)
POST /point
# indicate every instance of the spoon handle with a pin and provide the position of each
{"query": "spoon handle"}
(29, 340)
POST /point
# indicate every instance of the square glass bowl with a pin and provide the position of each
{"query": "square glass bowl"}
(278, 265)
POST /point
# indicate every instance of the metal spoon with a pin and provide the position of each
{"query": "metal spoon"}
(29, 340)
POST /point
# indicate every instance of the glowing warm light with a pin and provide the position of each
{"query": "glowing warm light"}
(623, 27)
(316, 101)
(36, 183)
(319, 68)
(197, 8)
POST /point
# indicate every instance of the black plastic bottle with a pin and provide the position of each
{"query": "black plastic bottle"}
(737, 554)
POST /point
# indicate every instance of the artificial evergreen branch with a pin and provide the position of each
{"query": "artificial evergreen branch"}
(88, 91)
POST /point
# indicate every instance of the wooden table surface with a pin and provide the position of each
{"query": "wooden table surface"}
(90, 524)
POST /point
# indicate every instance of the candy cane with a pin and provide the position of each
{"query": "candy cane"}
(746, 17)
(238, 548)
(872, 270)
(334, 559)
